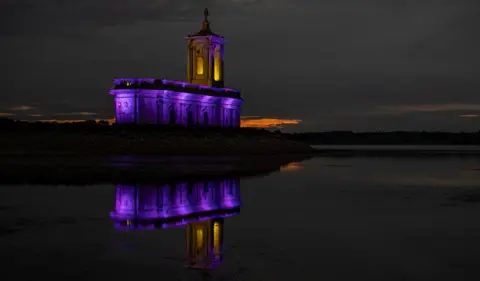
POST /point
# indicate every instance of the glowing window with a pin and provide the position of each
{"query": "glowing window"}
(199, 238)
(216, 238)
(217, 65)
(199, 65)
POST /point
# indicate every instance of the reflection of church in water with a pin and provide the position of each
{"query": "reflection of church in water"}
(200, 206)
(202, 100)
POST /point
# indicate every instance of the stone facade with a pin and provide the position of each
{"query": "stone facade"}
(150, 204)
(201, 101)
(150, 101)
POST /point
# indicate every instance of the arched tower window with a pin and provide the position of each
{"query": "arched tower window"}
(199, 65)
(217, 65)
(216, 238)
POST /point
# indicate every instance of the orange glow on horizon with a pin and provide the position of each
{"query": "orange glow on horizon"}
(291, 167)
(245, 122)
(267, 122)
(109, 121)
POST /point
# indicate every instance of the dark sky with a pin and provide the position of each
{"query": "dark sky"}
(346, 65)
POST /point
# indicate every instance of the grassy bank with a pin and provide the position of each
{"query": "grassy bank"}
(74, 170)
(94, 139)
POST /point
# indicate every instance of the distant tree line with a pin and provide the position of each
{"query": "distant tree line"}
(92, 126)
(388, 138)
(313, 138)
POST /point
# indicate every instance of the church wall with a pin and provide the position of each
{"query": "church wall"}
(125, 108)
(181, 205)
(155, 107)
(160, 110)
(229, 193)
(147, 109)
(125, 200)
(148, 202)
(229, 114)
(153, 202)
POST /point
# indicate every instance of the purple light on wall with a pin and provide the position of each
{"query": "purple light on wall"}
(125, 108)
(121, 81)
(142, 105)
(125, 201)
(148, 205)
(231, 194)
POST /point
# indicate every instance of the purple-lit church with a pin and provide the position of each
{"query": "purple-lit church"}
(201, 100)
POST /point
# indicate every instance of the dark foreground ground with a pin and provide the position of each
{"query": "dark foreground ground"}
(69, 170)
(86, 139)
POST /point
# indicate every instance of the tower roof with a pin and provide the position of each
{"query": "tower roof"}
(205, 31)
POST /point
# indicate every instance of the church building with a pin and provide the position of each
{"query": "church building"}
(201, 100)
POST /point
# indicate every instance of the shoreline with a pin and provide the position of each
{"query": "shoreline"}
(135, 170)
(397, 153)
(111, 142)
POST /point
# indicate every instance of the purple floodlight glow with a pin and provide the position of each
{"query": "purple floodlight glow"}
(150, 106)
(134, 81)
(146, 205)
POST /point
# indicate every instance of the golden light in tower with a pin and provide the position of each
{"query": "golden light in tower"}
(216, 238)
(217, 66)
(199, 65)
(199, 238)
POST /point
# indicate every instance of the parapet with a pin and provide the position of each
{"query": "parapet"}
(173, 85)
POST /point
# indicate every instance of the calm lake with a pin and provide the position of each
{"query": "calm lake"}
(322, 219)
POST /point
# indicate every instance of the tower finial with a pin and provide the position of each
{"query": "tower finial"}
(206, 24)
(205, 13)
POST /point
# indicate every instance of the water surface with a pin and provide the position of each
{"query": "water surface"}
(322, 219)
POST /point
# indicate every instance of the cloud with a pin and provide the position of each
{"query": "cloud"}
(360, 55)
(4, 114)
(469, 115)
(22, 108)
(254, 122)
(84, 113)
(35, 115)
(440, 181)
(70, 17)
(402, 109)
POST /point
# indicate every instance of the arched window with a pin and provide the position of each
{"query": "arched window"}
(199, 65)
(217, 65)
(190, 121)
(206, 122)
(172, 117)
(216, 238)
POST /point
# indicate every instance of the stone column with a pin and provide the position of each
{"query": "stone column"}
(135, 109)
(209, 52)
(233, 118)
(159, 110)
(179, 114)
(221, 116)
(189, 61)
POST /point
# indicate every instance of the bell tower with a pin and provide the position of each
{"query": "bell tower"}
(205, 56)
(204, 243)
